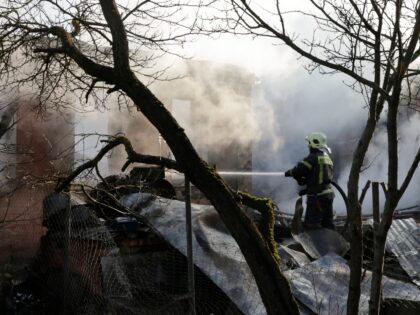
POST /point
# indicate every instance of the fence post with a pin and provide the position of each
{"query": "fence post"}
(375, 205)
(67, 238)
(191, 284)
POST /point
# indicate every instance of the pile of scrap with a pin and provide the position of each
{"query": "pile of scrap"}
(322, 286)
(316, 259)
(69, 258)
(137, 261)
(216, 253)
(404, 242)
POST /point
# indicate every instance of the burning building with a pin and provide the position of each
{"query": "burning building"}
(213, 104)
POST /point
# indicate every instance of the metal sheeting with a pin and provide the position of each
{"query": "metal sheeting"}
(320, 242)
(323, 286)
(404, 242)
(216, 253)
(291, 257)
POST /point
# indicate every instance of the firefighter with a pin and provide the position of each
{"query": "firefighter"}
(316, 172)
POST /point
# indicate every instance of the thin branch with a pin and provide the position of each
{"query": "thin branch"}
(409, 175)
(364, 191)
(132, 157)
(289, 42)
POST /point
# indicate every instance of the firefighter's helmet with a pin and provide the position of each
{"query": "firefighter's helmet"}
(317, 140)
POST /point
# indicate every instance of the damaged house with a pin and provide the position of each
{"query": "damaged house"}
(89, 259)
(49, 146)
(138, 263)
(34, 151)
(211, 97)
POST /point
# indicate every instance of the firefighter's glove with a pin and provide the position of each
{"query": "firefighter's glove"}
(288, 173)
(301, 181)
(303, 192)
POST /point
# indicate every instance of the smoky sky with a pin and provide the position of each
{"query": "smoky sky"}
(297, 103)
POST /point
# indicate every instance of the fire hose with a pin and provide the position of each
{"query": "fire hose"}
(344, 196)
(340, 190)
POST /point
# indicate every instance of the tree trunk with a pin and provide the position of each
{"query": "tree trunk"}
(355, 216)
(274, 288)
(390, 204)
(379, 255)
(356, 259)
(393, 194)
(377, 272)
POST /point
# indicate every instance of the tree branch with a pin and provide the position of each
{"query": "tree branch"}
(90, 67)
(264, 205)
(289, 42)
(409, 175)
(119, 36)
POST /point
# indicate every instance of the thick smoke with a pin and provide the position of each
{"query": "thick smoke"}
(376, 162)
(301, 103)
(220, 100)
(289, 103)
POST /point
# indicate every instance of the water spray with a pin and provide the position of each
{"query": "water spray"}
(235, 173)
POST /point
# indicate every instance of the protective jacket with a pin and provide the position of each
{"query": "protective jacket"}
(315, 171)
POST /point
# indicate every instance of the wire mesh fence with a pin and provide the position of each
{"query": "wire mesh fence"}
(91, 263)
(89, 267)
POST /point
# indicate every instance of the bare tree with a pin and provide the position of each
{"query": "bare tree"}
(82, 47)
(372, 42)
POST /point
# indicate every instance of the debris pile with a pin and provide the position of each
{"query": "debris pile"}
(94, 259)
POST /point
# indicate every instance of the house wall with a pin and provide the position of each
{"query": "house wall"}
(44, 150)
(208, 103)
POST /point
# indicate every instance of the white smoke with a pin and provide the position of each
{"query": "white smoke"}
(289, 103)
(376, 161)
(296, 104)
(302, 103)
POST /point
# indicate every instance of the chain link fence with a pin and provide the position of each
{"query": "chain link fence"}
(92, 262)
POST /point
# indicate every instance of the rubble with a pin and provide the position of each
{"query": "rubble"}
(319, 242)
(404, 242)
(323, 286)
(215, 251)
(125, 260)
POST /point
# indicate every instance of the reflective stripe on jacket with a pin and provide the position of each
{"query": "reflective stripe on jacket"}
(315, 171)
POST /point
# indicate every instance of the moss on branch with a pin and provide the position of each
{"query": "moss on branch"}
(266, 225)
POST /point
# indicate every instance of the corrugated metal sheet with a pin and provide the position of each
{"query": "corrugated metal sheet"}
(323, 286)
(320, 242)
(292, 258)
(404, 242)
(216, 253)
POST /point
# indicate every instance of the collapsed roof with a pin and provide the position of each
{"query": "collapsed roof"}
(219, 257)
